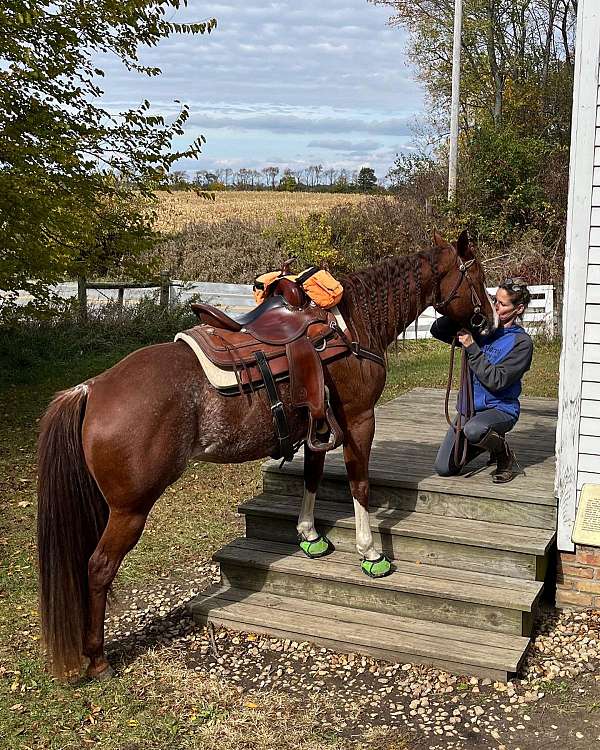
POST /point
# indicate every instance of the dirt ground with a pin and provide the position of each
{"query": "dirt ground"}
(555, 701)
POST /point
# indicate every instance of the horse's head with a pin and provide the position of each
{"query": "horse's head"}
(463, 296)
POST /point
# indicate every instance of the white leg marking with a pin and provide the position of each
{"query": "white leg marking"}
(306, 519)
(364, 538)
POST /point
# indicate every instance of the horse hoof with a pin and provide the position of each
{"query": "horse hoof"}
(378, 568)
(103, 674)
(319, 547)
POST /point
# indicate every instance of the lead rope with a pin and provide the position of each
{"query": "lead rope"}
(465, 405)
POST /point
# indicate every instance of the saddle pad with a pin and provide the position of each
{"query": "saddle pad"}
(216, 376)
(222, 378)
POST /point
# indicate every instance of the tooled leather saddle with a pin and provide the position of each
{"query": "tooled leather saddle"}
(287, 337)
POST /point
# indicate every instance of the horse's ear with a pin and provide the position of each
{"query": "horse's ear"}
(463, 246)
(438, 240)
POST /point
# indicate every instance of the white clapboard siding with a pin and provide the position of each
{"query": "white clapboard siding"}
(592, 313)
(591, 334)
(589, 426)
(587, 477)
(590, 390)
(593, 294)
(593, 274)
(589, 444)
(591, 372)
(595, 251)
(589, 463)
(590, 408)
(591, 353)
(581, 284)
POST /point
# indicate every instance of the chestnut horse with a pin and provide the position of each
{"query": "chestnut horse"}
(109, 447)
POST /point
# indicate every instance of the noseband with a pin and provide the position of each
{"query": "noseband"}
(478, 320)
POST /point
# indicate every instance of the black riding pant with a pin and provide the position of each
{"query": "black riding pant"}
(474, 431)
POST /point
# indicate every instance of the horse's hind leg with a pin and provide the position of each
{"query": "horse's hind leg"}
(357, 449)
(120, 535)
(311, 542)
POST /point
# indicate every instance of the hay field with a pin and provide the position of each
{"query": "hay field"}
(181, 209)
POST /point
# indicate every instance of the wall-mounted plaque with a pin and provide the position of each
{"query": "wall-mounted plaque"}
(587, 520)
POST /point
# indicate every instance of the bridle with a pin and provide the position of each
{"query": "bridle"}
(478, 319)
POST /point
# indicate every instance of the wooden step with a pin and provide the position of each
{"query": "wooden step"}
(455, 497)
(393, 638)
(460, 543)
(426, 592)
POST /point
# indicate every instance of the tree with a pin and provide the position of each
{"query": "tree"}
(271, 173)
(63, 157)
(288, 182)
(366, 180)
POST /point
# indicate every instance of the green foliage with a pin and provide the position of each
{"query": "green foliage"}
(366, 180)
(309, 240)
(502, 179)
(350, 236)
(288, 183)
(516, 96)
(68, 166)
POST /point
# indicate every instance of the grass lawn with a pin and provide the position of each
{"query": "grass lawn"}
(157, 702)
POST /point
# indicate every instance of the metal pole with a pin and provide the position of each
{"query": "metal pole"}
(453, 163)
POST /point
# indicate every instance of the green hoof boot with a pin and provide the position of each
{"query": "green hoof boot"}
(319, 547)
(378, 568)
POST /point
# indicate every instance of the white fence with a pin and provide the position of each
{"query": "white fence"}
(237, 298)
(539, 316)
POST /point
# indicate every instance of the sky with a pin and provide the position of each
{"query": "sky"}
(283, 83)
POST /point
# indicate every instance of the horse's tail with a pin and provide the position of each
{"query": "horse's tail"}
(72, 515)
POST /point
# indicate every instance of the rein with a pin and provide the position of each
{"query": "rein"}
(465, 405)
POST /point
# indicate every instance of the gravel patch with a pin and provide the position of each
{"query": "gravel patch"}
(556, 698)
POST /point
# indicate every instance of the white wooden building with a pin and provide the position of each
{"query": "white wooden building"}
(578, 432)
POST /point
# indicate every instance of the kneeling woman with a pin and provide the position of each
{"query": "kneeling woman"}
(497, 364)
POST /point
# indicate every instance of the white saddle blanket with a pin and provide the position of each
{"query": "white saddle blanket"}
(217, 376)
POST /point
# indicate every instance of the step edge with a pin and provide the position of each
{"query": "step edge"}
(526, 606)
(249, 508)
(510, 664)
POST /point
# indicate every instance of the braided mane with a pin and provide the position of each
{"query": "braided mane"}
(381, 301)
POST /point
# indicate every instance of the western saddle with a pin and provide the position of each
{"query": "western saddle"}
(287, 337)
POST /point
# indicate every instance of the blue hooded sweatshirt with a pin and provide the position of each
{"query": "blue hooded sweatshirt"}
(497, 362)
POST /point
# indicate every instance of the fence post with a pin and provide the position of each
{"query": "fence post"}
(82, 298)
(121, 296)
(165, 288)
(558, 308)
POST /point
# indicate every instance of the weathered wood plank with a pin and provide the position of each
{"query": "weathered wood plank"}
(455, 530)
(355, 628)
(385, 601)
(498, 510)
(411, 549)
(463, 585)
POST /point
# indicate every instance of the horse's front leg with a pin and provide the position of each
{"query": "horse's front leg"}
(357, 449)
(311, 542)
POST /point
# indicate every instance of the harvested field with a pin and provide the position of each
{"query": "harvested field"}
(178, 210)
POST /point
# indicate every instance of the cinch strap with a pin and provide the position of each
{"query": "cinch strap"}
(277, 410)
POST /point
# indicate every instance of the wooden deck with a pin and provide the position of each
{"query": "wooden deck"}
(470, 556)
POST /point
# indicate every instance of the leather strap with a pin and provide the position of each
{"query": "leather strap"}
(278, 412)
(465, 405)
(355, 347)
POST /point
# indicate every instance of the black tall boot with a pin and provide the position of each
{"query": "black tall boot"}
(502, 454)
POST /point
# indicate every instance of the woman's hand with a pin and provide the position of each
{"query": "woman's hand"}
(465, 338)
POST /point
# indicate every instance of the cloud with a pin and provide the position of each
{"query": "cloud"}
(348, 146)
(276, 75)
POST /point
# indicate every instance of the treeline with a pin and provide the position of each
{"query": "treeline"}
(314, 178)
